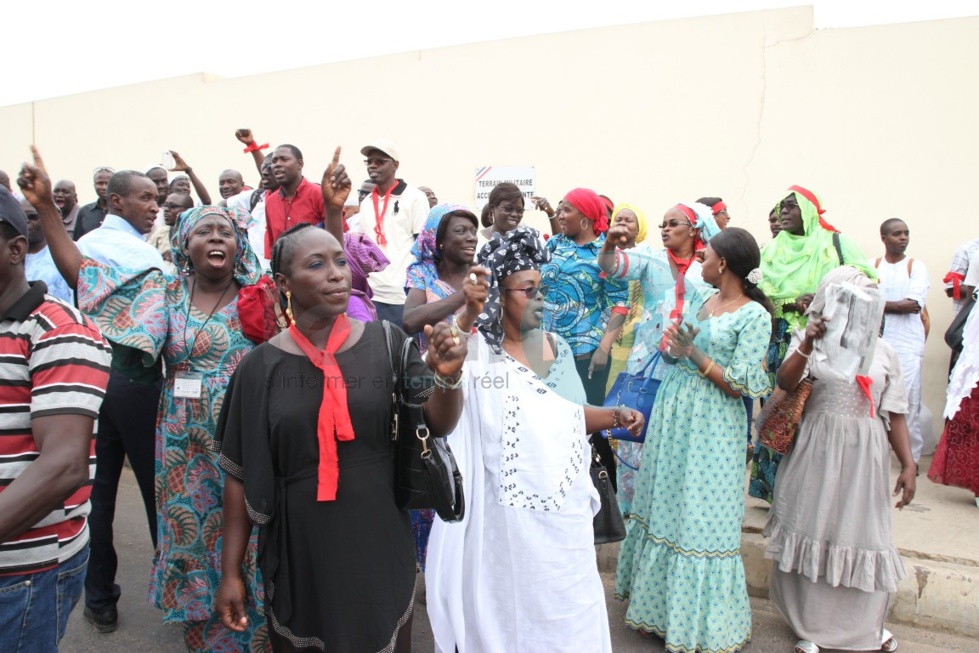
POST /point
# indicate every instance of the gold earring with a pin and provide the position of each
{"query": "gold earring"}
(289, 307)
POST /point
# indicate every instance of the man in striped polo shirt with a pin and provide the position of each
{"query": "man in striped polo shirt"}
(54, 368)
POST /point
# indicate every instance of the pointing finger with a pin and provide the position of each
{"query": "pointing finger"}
(336, 156)
(38, 161)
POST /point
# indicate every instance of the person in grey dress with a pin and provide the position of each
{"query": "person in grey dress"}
(833, 563)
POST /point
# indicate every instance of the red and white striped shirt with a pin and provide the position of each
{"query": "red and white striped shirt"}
(53, 361)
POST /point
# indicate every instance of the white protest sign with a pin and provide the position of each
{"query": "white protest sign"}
(489, 176)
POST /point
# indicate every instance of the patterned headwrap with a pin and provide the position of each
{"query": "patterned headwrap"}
(425, 249)
(590, 205)
(247, 266)
(518, 249)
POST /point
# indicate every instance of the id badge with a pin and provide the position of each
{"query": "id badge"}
(187, 385)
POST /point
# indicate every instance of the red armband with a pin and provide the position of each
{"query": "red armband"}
(254, 147)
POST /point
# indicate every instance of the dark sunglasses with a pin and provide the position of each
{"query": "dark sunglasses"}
(674, 223)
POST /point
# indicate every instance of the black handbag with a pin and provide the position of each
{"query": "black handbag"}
(425, 472)
(608, 523)
(953, 336)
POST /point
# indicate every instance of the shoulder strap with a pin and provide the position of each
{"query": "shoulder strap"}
(395, 362)
(836, 246)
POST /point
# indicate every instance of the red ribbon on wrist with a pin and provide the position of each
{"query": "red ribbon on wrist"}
(956, 280)
(255, 146)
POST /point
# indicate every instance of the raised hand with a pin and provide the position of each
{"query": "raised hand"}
(336, 184)
(475, 289)
(541, 204)
(245, 136)
(447, 348)
(35, 183)
(179, 165)
(618, 235)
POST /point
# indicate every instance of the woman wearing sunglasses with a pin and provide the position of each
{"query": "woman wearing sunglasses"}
(663, 274)
(519, 573)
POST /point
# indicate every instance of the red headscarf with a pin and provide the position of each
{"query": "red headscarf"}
(590, 205)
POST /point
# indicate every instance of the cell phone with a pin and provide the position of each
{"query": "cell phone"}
(167, 160)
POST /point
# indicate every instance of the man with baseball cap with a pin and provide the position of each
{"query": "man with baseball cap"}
(391, 216)
(52, 381)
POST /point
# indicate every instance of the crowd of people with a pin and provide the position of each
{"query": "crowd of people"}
(235, 353)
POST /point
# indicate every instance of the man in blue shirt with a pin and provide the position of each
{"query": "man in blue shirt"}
(38, 265)
(127, 419)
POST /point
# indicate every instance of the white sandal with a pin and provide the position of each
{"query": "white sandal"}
(890, 642)
(805, 646)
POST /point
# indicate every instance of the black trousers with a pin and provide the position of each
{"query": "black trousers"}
(127, 427)
(595, 391)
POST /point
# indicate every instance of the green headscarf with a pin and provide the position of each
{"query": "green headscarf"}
(793, 266)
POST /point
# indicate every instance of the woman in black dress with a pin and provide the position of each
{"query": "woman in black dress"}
(306, 442)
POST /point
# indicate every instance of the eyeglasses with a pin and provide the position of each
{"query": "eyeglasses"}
(512, 210)
(674, 223)
(111, 171)
(530, 292)
(376, 161)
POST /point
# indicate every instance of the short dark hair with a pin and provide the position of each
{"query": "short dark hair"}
(292, 148)
(709, 201)
(886, 224)
(121, 183)
(444, 225)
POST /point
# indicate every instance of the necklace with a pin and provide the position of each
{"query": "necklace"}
(190, 301)
(717, 308)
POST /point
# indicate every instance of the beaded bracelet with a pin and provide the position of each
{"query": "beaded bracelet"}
(448, 383)
(615, 416)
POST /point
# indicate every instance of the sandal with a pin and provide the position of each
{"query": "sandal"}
(805, 646)
(890, 642)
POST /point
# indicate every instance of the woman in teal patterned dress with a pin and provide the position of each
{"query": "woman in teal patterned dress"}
(192, 320)
(680, 564)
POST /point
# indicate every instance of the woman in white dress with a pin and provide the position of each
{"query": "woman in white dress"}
(519, 573)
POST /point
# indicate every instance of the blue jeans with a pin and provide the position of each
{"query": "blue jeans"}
(34, 608)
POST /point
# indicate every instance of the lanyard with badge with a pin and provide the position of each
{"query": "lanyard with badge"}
(188, 384)
(379, 214)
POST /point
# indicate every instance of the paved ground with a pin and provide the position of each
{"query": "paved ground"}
(140, 628)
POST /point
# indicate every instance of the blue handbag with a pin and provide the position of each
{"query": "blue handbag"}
(637, 391)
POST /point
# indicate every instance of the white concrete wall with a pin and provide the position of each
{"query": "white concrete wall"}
(879, 121)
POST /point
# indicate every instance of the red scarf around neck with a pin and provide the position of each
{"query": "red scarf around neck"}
(333, 422)
(379, 213)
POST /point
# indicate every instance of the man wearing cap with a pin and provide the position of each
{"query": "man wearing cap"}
(90, 216)
(52, 380)
(391, 216)
(297, 200)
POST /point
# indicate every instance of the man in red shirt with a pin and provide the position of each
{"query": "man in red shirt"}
(297, 200)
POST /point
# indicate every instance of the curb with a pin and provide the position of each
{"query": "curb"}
(938, 594)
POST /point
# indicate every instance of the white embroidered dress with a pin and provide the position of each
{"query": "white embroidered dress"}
(519, 573)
